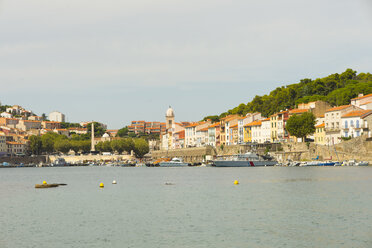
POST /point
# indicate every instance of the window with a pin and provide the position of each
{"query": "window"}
(357, 133)
(351, 123)
(346, 124)
(346, 134)
(357, 123)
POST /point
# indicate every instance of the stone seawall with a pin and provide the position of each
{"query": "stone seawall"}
(200, 154)
(92, 158)
(357, 148)
(24, 160)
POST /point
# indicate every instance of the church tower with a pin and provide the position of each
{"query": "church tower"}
(170, 126)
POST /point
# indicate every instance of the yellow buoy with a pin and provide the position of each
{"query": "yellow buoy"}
(236, 182)
(44, 182)
(101, 185)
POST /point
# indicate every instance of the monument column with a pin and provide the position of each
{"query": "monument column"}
(92, 148)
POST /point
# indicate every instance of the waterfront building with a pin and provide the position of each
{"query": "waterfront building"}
(214, 134)
(230, 122)
(3, 145)
(353, 123)
(179, 139)
(265, 130)
(247, 133)
(194, 136)
(333, 122)
(15, 148)
(278, 130)
(362, 101)
(256, 127)
(202, 136)
(56, 116)
(319, 135)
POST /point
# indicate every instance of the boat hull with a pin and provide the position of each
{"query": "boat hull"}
(243, 163)
(169, 164)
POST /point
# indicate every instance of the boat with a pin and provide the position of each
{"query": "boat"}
(244, 160)
(59, 162)
(175, 162)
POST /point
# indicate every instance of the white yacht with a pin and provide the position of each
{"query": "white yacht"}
(244, 160)
(175, 162)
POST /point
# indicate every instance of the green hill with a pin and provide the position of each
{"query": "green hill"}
(336, 89)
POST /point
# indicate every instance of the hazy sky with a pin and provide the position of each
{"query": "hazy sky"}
(117, 61)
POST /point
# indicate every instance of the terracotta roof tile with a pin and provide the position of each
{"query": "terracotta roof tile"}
(361, 97)
(356, 113)
(338, 108)
(320, 125)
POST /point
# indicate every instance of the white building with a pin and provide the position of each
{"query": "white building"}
(265, 130)
(57, 116)
(256, 132)
(364, 102)
(333, 122)
(353, 123)
(6, 115)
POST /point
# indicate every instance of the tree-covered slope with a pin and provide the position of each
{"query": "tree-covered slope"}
(336, 89)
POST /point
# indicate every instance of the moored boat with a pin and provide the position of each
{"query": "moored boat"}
(175, 162)
(244, 160)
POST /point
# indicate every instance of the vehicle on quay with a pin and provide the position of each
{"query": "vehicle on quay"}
(175, 162)
(244, 160)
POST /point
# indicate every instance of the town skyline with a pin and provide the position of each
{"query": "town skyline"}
(118, 62)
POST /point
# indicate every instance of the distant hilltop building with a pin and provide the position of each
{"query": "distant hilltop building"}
(57, 116)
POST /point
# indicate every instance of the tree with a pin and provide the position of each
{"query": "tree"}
(62, 145)
(123, 132)
(301, 125)
(75, 145)
(48, 140)
(36, 145)
(99, 146)
(85, 145)
(129, 145)
(44, 117)
(106, 146)
(118, 145)
(141, 147)
(98, 129)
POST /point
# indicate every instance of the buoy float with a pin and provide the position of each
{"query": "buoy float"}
(236, 182)
(44, 182)
(114, 182)
(101, 185)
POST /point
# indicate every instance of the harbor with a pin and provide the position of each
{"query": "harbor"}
(187, 207)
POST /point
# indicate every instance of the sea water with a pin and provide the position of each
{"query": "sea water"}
(187, 207)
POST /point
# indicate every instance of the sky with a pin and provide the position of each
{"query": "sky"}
(115, 61)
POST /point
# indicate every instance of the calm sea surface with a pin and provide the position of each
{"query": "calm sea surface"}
(271, 207)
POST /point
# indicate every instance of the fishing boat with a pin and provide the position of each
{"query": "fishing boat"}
(244, 160)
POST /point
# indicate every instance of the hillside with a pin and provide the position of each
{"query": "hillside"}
(336, 89)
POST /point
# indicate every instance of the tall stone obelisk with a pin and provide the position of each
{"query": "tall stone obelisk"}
(92, 148)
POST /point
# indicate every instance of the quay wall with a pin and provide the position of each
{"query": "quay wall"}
(359, 148)
(92, 158)
(201, 154)
(25, 159)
